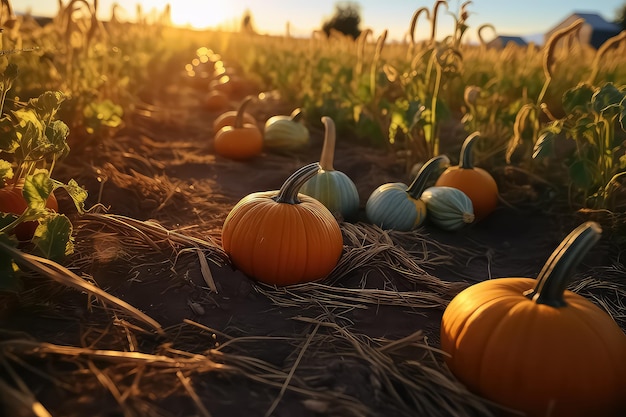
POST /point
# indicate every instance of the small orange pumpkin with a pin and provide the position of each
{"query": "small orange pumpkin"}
(241, 140)
(282, 237)
(228, 119)
(217, 101)
(531, 345)
(475, 182)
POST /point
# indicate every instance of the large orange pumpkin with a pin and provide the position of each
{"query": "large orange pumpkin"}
(476, 183)
(241, 140)
(536, 347)
(283, 237)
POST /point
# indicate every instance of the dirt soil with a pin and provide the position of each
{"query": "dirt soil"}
(361, 343)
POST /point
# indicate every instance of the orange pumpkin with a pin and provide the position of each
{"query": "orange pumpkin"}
(228, 119)
(283, 237)
(241, 140)
(475, 182)
(217, 101)
(12, 201)
(532, 345)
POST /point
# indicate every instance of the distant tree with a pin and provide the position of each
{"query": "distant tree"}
(346, 20)
(246, 23)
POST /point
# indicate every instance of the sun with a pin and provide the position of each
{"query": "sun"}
(200, 14)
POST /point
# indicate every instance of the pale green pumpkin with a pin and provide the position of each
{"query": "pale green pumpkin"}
(286, 132)
(448, 208)
(332, 188)
(398, 206)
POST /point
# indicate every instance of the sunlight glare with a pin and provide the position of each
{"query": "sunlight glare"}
(200, 14)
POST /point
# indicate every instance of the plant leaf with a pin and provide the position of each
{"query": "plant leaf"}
(53, 237)
(47, 104)
(37, 189)
(544, 146)
(577, 98)
(6, 171)
(77, 193)
(606, 100)
(57, 133)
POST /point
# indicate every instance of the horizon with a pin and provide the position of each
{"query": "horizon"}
(303, 19)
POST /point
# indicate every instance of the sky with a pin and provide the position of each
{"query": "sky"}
(524, 18)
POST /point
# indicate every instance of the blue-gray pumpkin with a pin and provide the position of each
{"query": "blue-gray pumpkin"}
(397, 206)
(332, 188)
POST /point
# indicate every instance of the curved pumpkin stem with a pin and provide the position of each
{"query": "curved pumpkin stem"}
(238, 124)
(418, 185)
(555, 275)
(466, 161)
(328, 149)
(296, 115)
(288, 192)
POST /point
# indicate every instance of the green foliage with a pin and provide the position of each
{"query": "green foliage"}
(594, 120)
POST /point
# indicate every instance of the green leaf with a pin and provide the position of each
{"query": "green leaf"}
(9, 141)
(30, 132)
(37, 189)
(6, 171)
(57, 133)
(78, 194)
(544, 146)
(47, 104)
(606, 100)
(53, 237)
(577, 98)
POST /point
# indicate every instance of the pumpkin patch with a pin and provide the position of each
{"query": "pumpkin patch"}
(200, 262)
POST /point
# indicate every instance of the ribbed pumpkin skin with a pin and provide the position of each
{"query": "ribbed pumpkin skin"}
(476, 183)
(336, 191)
(391, 207)
(280, 243)
(448, 207)
(280, 132)
(531, 357)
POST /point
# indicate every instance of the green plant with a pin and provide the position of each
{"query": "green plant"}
(595, 121)
(34, 141)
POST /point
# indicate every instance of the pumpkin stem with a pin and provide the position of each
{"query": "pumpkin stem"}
(328, 149)
(296, 115)
(238, 124)
(288, 192)
(418, 185)
(555, 275)
(466, 160)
